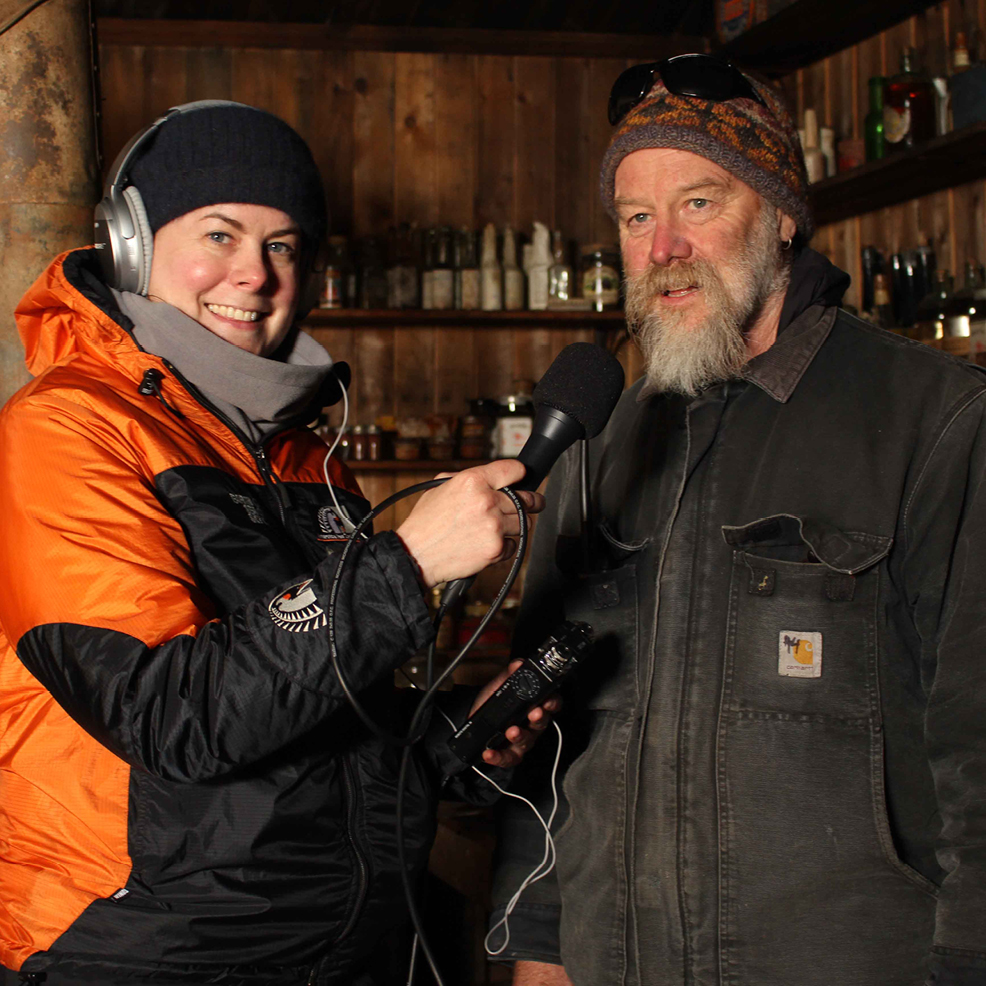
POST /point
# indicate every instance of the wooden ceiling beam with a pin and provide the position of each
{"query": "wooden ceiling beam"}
(363, 37)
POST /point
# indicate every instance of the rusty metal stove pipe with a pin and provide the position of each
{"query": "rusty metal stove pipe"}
(49, 179)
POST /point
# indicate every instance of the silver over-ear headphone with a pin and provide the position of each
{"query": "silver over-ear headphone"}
(123, 234)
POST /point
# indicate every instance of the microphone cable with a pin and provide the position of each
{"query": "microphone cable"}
(410, 739)
(418, 726)
(543, 868)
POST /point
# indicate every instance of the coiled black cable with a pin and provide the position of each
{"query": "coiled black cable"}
(419, 723)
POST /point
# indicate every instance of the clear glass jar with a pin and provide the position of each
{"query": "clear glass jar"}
(601, 275)
(374, 443)
(357, 444)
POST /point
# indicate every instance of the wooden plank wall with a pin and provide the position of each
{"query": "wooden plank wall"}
(426, 138)
(953, 221)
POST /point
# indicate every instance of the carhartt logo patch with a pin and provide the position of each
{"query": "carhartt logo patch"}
(799, 654)
(297, 610)
(250, 505)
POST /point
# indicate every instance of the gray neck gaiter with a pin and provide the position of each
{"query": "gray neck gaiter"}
(259, 394)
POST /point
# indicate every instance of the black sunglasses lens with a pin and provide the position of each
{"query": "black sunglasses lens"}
(707, 78)
(628, 90)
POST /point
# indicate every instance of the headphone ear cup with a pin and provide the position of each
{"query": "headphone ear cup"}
(143, 241)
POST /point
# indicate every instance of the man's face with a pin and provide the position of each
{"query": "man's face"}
(701, 256)
(234, 268)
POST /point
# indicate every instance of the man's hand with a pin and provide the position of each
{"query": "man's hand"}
(540, 974)
(457, 529)
(521, 740)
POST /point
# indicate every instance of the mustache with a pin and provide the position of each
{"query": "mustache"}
(655, 280)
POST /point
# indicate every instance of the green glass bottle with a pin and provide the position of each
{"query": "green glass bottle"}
(876, 147)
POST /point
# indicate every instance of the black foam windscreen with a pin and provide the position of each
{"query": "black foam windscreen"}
(584, 381)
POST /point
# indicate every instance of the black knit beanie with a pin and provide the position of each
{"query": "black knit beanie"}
(230, 153)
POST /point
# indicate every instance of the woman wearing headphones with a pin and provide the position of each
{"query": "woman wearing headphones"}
(185, 795)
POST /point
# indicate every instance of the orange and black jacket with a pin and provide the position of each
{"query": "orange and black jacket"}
(184, 793)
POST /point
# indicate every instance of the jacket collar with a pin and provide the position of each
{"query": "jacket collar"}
(778, 370)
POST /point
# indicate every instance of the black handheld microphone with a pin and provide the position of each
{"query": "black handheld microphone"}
(530, 684)
(573, 400)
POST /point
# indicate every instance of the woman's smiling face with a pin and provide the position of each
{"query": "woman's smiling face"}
(234, 268)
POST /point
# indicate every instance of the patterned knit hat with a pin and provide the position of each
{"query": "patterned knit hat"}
(230, 153)
(759, 146)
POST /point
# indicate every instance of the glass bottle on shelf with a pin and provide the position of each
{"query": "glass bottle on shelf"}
(883, 312)
(513, 276)
(826, 144)
(601, 275)
(965, 306)
(357, 444)
(539, 269)
(876, 146)
(514, 422)
(372, 273)
(466, 271)
(402, 275)
(902, 289)
(475, 429)
(428, 244)
(442, 273)
(960, 54)
(930, 321)
(336, 268)
(814, 158)
(561, 283)
(909, 106)
(924, 270)
(490, 273)
(872, 263)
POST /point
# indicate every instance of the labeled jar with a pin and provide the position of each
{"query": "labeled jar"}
(357, 444)
(601, 275)
(374, 443)
(514, 425)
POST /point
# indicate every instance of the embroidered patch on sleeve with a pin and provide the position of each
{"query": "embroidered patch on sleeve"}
(297, 610)
(799, 655)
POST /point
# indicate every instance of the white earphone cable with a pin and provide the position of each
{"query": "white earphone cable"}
(344, 517)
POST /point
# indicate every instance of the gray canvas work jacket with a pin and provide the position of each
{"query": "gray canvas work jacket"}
(778, 751)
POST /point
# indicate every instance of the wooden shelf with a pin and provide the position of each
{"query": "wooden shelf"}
(413, 465)
(195, 33)
(810, 30)
(355, 318)
(941, 163)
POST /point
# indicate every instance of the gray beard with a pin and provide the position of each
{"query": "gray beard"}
(687, 360)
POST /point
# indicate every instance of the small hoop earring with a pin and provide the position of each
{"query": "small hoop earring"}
(786, 244)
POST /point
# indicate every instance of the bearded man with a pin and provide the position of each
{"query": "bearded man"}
(777, 756)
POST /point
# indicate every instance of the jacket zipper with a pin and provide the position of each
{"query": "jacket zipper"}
(257, 452)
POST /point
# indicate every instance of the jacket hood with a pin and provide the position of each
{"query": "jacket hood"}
(68, 311)
(814, 281)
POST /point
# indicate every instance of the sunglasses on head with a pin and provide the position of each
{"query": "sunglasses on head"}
(701, 76)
